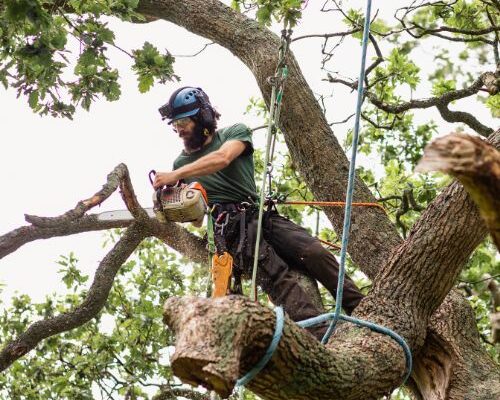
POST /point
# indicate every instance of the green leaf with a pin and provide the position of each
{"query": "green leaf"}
(145, 83)
(33, 99)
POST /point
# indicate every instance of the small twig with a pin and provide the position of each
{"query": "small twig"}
(479, 281)
(195, 54)
(328, 35)
(343, 121)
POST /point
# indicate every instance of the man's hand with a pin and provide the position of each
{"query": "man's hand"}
(165, 178)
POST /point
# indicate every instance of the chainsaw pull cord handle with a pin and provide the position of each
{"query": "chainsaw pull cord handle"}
(158, 191)
(151, 174)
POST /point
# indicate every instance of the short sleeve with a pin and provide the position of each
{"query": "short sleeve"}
(242, 133)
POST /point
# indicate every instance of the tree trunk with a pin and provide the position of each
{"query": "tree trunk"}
(407, 289)
(322, 163)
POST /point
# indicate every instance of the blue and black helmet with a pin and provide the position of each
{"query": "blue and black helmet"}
(186, 102)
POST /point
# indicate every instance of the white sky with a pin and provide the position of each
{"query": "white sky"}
(47, 165)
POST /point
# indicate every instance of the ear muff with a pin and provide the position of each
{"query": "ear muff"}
(206, 112)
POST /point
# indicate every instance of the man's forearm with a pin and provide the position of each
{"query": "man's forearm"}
(206, 165)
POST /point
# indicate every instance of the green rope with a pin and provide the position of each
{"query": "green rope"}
(277, 82)
(211, 250)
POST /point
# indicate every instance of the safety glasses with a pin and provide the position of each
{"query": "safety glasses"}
(181, 122)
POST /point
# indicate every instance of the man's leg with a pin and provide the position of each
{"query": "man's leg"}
(299, 248)
(274, 277)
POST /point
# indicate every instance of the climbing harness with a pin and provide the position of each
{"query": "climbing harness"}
(219, 259)
(276, 96)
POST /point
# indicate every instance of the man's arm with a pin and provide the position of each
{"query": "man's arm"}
(206, 165)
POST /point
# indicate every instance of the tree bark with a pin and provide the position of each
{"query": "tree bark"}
(455, 369)
(93, 303)
(406, 292)
(317, 154)
(219, 340)
(374, 360)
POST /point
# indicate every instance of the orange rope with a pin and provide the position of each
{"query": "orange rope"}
(331, 204)
(329, 244)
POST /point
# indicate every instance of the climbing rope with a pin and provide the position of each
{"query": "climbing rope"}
(277, 83)
(366, 324)
(212, 249)
(336, 316)
(278, 330)
(273, 118)
(331, 204)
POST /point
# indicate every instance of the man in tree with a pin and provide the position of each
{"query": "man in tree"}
(221, 160)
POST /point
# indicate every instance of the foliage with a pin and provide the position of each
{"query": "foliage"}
(286, 11)
(38, 39)
(121, 351)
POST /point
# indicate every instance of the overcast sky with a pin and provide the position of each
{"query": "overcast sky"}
(47, 165)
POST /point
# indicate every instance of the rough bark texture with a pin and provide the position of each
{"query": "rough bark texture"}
(322, 163)
(219, 340)
(476, 164)
(406, 292)
(458, 369)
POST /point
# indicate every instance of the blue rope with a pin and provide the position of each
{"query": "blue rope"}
(334, 317)
(278, 330)
(374, 327)
(350, 182)
(347, 225)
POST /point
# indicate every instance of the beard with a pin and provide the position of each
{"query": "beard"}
(196, 140)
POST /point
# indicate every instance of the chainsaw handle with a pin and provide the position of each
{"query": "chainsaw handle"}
(153, 173)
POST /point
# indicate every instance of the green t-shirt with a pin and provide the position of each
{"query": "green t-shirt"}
(236, 182)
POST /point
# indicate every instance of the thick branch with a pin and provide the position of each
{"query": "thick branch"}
(443, 369)
(74, 221)
(464, 117)
(219, 340)
(93, 303)
(169, 393)
(11, 241)
(178, 238)
(119, 177)
(476, 164)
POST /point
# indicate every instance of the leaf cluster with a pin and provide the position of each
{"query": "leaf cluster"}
(40, 41)
(267, 11)
(122, 352)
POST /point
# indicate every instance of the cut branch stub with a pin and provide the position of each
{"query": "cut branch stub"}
(476, 164)
(220, 340)
(119, 177)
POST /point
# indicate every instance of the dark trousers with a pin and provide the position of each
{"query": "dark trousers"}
(285, 246)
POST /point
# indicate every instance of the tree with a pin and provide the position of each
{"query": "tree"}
(412, 278)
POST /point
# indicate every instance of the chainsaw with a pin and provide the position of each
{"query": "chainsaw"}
(179, 203)
(183, 203)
